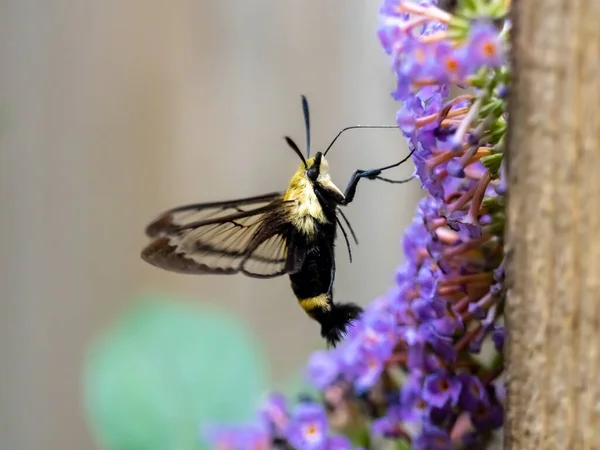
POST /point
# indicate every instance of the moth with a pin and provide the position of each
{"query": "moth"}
(289, 233)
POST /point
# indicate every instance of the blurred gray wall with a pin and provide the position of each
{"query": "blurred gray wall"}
(113, 111)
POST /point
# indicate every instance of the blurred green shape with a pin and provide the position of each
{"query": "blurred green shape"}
(402, 445)
(163, 369)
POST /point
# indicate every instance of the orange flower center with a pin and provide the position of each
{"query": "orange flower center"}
(489, 48)
(451, 64)
(311, 430)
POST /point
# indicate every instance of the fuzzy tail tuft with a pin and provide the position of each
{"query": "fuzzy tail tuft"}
(334, 324)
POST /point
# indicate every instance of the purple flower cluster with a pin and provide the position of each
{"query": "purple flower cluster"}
(414, 356)
(305, 427)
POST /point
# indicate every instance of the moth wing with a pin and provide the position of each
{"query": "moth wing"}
(172, 220)
(269, 258)
(253, 241)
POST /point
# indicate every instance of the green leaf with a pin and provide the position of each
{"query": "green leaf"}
(401, 444)
(163, 369)
(467, 7)
(492, 163)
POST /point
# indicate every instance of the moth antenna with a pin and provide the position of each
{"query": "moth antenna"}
(292, 144)
(306, 124)
(354, 127)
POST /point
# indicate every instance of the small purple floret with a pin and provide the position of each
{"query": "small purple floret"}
(441, 389)
(308, 427)
(323, 368)
(432, 438)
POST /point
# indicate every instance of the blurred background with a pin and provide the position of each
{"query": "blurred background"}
(113, 111)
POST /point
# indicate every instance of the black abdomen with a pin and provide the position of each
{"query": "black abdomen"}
(314, 278)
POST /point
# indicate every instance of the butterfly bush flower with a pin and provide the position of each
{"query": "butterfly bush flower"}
(415, 362)
(277, 426)
(424, 363)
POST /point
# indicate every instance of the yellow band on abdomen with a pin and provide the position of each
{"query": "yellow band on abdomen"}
(320, 301)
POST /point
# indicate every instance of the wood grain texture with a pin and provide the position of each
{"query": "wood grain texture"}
(553, 238)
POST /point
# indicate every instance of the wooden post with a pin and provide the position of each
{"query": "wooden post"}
(553, 238)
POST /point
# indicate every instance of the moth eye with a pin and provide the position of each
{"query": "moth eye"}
(312, 173)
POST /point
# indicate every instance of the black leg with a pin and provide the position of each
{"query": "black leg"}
(356, 176)
(345, 238)
(323, 201)
(372, 174)
(387, 180)
(332, 271)
(339, 210)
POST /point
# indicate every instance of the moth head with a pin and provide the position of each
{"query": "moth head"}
(316, 166)
(317, 172)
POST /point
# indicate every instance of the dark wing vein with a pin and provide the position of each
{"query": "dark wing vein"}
(251, 241)
(199, 212)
